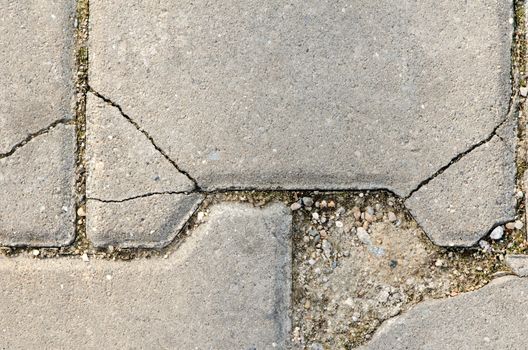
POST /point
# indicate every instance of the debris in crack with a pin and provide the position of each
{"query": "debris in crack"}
(150, 138)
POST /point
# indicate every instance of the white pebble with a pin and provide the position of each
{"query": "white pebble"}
(497, 233)
(363, 236)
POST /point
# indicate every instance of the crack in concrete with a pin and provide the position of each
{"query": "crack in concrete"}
(147, 135)
(517, 41)
(30, 137)
(458, 157)
(149, 194)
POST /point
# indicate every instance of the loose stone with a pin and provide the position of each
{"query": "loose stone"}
(497, 233)
(392, 217)
(295, 206)
(363, 236)
(307, 201)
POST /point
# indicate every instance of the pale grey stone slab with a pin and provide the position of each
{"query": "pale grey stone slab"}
(494, 317)
(37, 205)
(37, 70)
(307, 94)
(226, 287)
(145, 222)
(462, 204)
(121, 161)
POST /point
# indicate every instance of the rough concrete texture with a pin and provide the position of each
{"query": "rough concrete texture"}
(226, 287)
(36, 74)
(518, 263)
(37, 206)
(461, 205)
(121, 161)
(146, 222)
(494, 317)
(273, 94)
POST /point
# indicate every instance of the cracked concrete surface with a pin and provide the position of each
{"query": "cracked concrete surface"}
(37, 71)
(121, 162)
(37, 191)
(191, 101)
(291, 102)
(152, 221)
(281, 96)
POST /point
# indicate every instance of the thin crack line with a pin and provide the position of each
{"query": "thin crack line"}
(145, 195)
(196, 186)
(30, 137)
(458, 157)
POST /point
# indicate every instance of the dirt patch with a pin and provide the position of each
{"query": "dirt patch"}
(360, 259)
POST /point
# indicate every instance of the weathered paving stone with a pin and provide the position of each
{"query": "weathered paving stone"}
(37, 206)
(307, 94)
(146, 222)
(494, 317)
(226, 287)
(36, 74)
(462, 204)
(121, 161)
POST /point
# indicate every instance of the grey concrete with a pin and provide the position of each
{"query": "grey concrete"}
(37, 204)
(146, 222)
(518, 263)
(37, 70)
(226, 287)
(494, 317)
(121, 161)
(462, 204)
(307, 94)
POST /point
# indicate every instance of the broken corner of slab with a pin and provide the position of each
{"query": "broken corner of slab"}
(37, 205)
(473, 195)
(145, 222)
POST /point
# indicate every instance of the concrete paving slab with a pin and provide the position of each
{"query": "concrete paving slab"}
(317, 94)
(461, 205)
(37, 206)
(37, 70)
(145, 222)
(226, 287)
(494, 317)
(122, 162)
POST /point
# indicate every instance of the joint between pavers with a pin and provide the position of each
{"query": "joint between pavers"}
(148, 136)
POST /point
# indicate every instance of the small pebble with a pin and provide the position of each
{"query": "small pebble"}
(497, 233)
(519, 225)
(295, 206)
(392, 217)
(81, 212)
(85, 257)
(35, 252)
(339, 224)
(510, 225)
(307, 201)
(363, 236)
